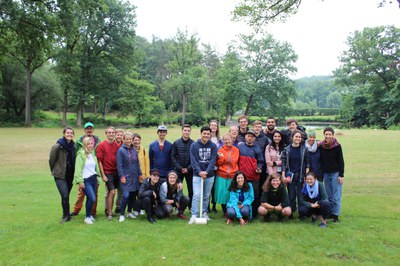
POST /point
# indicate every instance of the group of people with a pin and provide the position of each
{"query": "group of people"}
(250, 172)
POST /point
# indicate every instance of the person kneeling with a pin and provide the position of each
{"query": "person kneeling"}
(274, 199)
(313, 200)
(149, 196)
(240, 199)
(171, 196)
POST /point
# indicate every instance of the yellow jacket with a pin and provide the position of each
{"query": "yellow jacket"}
(144, 162)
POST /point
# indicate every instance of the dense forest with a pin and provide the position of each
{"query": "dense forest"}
(84, 57)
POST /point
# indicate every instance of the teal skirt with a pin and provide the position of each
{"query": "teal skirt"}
(221, 193)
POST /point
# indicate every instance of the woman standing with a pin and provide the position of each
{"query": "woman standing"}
(171, 196)
(143, 156)
(62, 167)
(295, 164)
(240, 199)
(273, 153)
(129, 173)
(215, 138)
(333, 171)
(314, 149)
(274, 199)
(87, 175)
(228, 165)
(313, 200)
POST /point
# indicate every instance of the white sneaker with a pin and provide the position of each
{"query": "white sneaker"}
(192, 219)
(142, 212)
(136, 213)
(88, 220)
(205, 215)
(121, 218)
(92, 218)
(130, 215)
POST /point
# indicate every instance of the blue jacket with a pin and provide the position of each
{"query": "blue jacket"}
(203, 157)
(234, 200)
(128, 166)
(160, 159)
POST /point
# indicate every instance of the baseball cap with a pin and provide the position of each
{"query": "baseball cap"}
(161, 128)
(88, 124)
(154, 172)
(251, 132)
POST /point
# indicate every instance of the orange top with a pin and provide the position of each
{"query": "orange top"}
(228, 163)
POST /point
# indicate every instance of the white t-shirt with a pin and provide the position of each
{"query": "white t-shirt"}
(90, 167)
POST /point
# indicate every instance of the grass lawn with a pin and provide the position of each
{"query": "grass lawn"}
(30, 211)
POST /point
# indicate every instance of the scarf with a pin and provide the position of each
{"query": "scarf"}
(312, 148)
(311, 192)
(329, 145)
(69, 147)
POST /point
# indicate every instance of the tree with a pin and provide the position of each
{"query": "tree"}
(268, 64)
(230, 78)
(261, 12)
(371, 66)
(27, 29)
(186, 70)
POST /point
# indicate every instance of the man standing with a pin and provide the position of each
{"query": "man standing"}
(89, 130)
(271, 128)
(180, 156)
(106, 154)
(250, 163)
(160, 153)
(203, 156)
(261, 141)
(292, 125)
(243, 127)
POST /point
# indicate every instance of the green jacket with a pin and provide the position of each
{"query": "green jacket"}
(79, 144)
(80, 164)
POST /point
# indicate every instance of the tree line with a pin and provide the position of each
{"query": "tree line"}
(84, 55)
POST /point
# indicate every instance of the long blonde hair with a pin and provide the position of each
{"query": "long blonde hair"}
(86, 147)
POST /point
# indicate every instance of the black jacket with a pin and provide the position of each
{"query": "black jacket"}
(180, 154)
(147, 189)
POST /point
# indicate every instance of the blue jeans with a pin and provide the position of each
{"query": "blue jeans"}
(334, 191)
(208, 184)
(244, 211)
(90, 192)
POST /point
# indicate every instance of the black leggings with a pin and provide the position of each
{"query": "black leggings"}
(64, 188)
(148, 204)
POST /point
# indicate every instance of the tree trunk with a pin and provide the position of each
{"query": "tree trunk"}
(105, 110)
(28, 92)
(249, 102)
(65, 107)
(184, 106)
(79, 114)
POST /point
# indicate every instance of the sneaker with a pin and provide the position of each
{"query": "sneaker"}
(92, 218)
(205, 215)
(109, 218)
(323, 225)
(131, 215)
(65, 219)
(336, 219)
(181, 216)
(192, 219)
(142, 212)
(117, 210)
(313, 219)
(73, 214)
(267, 218)
(121, 218)
(151, 220)
(88, 220)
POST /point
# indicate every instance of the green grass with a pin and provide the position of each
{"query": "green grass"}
(30, 210)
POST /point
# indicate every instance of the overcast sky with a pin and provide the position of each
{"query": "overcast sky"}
(317, 32)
